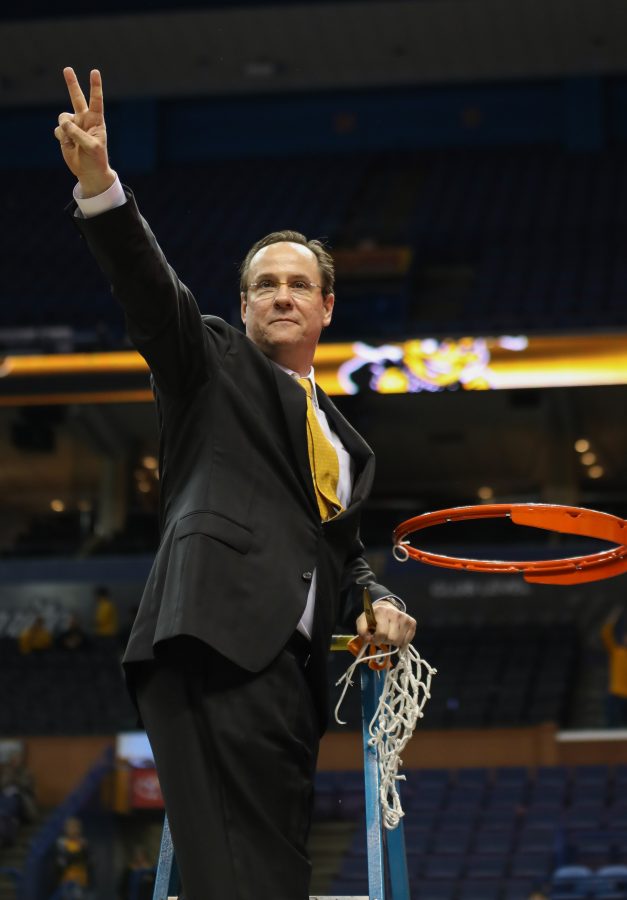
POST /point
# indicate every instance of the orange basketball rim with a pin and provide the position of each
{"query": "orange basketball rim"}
(550, 517)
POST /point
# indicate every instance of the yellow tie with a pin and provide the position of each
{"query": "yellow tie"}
(325, 468)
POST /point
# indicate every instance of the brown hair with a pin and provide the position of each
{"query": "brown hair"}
(325, 260)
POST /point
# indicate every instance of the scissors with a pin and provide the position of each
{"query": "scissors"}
(369, 612)
(357, 643)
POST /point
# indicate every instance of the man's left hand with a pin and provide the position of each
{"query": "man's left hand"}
(393, 626)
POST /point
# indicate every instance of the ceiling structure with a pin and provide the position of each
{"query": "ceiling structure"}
(313, 46)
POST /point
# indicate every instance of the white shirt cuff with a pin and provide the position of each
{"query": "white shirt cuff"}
(109, 199)
(394, 600)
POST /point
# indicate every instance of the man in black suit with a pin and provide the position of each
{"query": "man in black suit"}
(262, 485)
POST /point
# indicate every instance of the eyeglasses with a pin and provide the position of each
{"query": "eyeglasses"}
(268, 288)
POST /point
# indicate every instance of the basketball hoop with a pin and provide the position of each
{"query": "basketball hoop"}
(550, 517)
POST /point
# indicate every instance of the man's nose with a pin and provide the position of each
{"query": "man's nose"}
(283, 295)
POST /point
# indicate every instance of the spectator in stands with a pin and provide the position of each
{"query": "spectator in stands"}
(72, 860)
(73, 637)
(16, 780)
(36, 637)
(139, 878)
(614, 635)
(106, 618)
(9, 819)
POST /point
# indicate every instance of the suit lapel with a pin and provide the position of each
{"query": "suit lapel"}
(360, 452)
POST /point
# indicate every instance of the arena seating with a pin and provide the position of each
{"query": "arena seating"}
(536, 231)
(50, 535)
(496, 675)
(63, 692)
(82, 691)
(481, 834)
(61, 535)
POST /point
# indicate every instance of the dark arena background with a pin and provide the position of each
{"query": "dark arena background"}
(466, 161)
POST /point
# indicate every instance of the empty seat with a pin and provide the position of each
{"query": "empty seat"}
(551, 794)
(500, 816)
(518, 888)
(508, 793)
(571, 883)
(592, 849)
(424, 889)
(532, 865)
(598, 776)
(546, 775)
(445, 866)
(480, 890)
(548, 816)
(536, 839)
(482, 866)
(513, 775)
(611, 882)
(452, 840)
(427, 795)
(494, 840)
(584, 815)
(473, 778)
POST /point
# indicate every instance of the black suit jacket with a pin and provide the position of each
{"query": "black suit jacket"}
(241, 531)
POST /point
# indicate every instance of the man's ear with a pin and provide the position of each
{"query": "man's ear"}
(243, 306)
(328, 301)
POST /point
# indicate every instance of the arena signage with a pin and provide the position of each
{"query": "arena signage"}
(424, 364)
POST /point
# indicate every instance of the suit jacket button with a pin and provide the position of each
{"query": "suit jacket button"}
(307, 576)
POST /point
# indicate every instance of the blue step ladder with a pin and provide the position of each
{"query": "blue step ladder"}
(383, 846)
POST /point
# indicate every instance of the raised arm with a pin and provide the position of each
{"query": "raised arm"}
(162, 317)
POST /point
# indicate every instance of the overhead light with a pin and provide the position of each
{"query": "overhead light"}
(261, 68)
(150, 462)
(596, 472)
(57, 506)
(144, 487)
(485, 492)
(582, 445)
(589, 458)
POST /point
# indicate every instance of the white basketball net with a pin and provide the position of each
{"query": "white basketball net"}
(406, 689)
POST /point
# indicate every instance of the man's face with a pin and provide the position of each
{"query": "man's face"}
(285, 325)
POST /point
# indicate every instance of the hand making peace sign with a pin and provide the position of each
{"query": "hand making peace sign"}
(83, 135)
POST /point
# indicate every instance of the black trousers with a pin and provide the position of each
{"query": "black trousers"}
(236, 755)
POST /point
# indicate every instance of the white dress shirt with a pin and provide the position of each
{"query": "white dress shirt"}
(344, 490)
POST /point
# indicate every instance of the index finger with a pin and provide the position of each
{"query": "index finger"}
(76, 95)
(96, 100)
